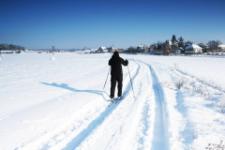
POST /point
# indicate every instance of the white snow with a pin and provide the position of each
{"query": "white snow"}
(58, 102)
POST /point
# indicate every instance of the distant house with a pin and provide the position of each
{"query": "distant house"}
(204, 47)
(138, 49)
(156, 49)
(10, 51)
(178, 50)
(142, 49)
(11, 48)
(193, 49)
(157, 52)
(101, 49)
(112, 49)
(85, 51)
(222, 47)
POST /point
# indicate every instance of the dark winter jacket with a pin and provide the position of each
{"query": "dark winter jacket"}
(116, 63)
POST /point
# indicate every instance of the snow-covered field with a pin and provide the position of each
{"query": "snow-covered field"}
(58, 102)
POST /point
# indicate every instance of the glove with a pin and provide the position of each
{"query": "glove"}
(126, 62)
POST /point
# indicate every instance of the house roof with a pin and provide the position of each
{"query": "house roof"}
(222, 46)
(193, 46)
(102, 47)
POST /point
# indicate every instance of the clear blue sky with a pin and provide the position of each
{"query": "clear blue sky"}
(121, 23)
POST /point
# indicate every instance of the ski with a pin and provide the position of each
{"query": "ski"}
(117, 99)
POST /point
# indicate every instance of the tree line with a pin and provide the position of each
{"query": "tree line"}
(11, 47)
(175, 44)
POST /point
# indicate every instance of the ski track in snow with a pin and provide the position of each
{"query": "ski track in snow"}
(78, 139)
(135, 122)
(203, 82)
(135, 115)
(160, 140)
(85, 132)
(188, 132)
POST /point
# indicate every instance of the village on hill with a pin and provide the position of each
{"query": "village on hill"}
(174, 46)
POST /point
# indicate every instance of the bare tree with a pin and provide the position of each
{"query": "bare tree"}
(213, 45)
(166, 48)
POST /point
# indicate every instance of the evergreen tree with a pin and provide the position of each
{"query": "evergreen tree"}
(174, 39)
(11, 47)
(181, 42)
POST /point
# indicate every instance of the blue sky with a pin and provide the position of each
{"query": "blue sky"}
(119, 23)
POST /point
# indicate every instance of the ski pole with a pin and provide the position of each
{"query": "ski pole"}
(106, 79)
(131, 82)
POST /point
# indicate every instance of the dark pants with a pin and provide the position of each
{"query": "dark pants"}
(119, 81)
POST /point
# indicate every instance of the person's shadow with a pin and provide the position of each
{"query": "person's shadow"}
(67, 87)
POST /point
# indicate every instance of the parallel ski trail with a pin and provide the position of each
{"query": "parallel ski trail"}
(85, 133)
(188, 132)
(203, 82)
(133, 126)
(132, 122)
(160, 140)
(85, 129)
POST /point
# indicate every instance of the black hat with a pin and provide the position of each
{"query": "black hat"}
(116, 54)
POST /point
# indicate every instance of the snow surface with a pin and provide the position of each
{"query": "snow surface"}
(58, 102)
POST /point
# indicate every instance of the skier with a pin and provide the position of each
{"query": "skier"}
(116, 63)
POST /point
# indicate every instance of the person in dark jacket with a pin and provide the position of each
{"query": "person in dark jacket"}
(116, 63)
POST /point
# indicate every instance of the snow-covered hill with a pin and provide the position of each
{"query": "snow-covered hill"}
(58, 102)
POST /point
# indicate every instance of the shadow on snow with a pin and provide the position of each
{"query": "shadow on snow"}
(67, 87)
(85, 133)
